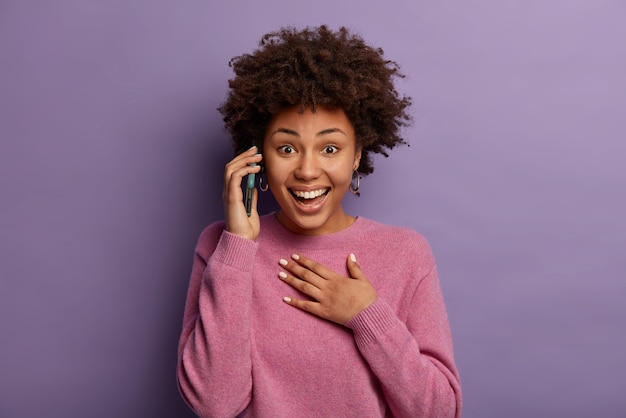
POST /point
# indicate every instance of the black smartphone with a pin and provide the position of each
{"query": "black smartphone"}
(249, 191)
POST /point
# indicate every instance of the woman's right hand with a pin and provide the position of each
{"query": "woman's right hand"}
(237, 220)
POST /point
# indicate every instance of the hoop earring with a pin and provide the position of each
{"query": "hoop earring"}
(355, 189)
(267, 186)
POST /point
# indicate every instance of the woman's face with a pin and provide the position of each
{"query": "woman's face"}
(309, 159)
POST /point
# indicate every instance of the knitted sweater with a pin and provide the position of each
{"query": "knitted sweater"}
(244, 352)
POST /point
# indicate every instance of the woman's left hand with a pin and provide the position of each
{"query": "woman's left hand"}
(335, 297)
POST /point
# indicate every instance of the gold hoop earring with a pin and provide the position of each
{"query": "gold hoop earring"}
(354, 189)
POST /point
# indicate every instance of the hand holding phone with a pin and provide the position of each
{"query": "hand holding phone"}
(239, 196)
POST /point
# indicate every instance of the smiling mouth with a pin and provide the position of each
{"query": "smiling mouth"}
(310, 198)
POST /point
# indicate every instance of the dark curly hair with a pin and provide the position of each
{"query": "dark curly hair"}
(317, 67)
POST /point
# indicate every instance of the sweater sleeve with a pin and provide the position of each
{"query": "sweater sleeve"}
(214, 365)
(414, 360)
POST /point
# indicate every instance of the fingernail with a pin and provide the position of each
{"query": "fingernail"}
(254, 146)
(287, 299)
(282, 275)
(353, 258)
(283, 262)
(295, 256)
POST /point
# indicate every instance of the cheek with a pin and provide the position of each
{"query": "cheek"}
(275, 176)
(339, 180)
(342, 173)
(273, 181)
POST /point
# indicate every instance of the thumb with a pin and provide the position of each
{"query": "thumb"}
(354, 269)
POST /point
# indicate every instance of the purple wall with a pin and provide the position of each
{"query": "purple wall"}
(111, 158)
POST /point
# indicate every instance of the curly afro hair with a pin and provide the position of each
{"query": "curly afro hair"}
(317, 67)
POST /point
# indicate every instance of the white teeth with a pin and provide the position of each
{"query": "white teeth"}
(309, 195)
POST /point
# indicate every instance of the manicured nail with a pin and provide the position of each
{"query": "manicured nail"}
(295, 256)
(254, 146)
(282, 275)
(283, 262)
(353, 258)
(287, 299)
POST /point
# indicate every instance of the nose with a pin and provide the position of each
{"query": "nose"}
(308, 167)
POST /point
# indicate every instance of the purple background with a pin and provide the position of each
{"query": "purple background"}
(111, 158)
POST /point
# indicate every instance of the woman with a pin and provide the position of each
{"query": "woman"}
(312, 312)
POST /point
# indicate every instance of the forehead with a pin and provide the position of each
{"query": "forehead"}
(309, 122)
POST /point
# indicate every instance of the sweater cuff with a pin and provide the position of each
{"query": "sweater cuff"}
(235, 251)
(372, 322)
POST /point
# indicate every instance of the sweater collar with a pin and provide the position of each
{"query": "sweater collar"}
(271, 226)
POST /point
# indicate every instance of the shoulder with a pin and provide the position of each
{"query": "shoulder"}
(392, 233)
(399, 240)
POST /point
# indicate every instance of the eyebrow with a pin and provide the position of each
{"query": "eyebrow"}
(321, 133)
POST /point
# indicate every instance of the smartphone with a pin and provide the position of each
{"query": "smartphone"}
(249, 191)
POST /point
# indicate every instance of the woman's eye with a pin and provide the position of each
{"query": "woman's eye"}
(286, 149)
(330, 149)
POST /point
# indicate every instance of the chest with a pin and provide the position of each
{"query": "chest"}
(287, 338)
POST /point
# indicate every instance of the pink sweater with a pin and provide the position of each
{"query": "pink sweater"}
(244, 352)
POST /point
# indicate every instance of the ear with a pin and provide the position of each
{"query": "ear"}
(357, 158)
